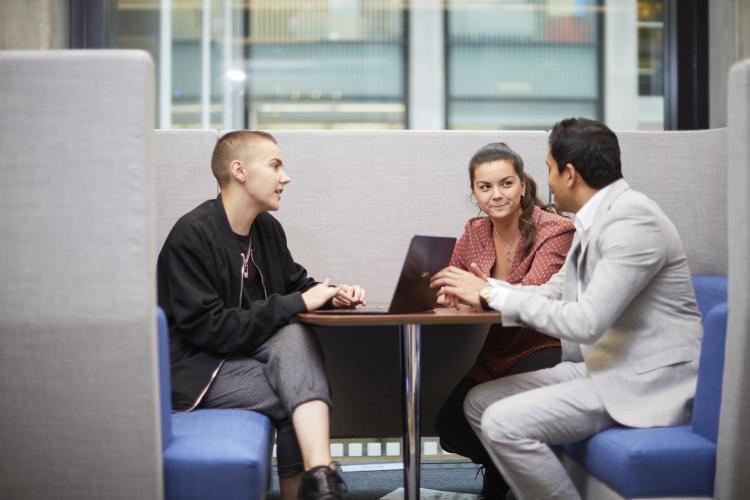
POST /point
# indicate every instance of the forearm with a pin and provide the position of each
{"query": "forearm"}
(556, 318)
(231, 330)
(551, 290)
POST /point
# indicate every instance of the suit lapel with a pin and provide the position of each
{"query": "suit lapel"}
(570, 350)
(618, 187)
(570, 286)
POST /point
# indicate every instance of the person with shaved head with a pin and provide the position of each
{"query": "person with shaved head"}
(231, 292)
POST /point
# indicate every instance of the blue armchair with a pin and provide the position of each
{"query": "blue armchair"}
(667, 461)
(211, 454)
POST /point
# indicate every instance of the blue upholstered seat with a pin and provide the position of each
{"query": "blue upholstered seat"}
(656, 462)
(221, 454)
(211, 454)
(669, 461)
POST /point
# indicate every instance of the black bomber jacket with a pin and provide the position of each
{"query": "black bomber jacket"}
(199, 278)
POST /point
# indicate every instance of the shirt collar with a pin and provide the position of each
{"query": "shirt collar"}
(585, 216)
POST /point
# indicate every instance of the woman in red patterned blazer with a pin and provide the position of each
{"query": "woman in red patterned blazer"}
(518, 239)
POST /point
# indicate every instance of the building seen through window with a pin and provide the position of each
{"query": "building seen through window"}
(522, 65)
(333, 64)
(651, 63)
(273, 64)
(321, 64)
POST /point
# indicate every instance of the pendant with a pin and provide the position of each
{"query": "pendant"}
(246, 274)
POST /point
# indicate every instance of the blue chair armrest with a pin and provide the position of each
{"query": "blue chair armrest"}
(165, 382)
(710, 291)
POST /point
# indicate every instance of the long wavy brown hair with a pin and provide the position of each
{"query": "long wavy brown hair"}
(500, 151)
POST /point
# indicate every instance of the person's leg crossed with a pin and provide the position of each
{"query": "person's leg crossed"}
(518, 431)
(295, 367)
(241, 383)
(483, 395)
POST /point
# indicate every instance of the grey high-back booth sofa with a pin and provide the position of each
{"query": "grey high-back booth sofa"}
(356, 198)
(88, 193)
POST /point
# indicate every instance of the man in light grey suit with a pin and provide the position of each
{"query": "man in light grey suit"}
(623, 306)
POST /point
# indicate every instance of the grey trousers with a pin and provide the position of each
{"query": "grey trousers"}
(518, 418)
(285, 372)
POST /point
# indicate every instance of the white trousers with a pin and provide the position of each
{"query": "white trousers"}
(518, 418)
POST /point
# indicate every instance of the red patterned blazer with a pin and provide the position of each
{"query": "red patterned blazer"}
(505, 346)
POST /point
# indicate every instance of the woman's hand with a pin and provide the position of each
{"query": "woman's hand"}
(349, 297)
(446, 300)
(318, 295)
(459, 286)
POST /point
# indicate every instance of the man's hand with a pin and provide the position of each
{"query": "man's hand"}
(457, 285)
(349, 297)
(477, 271)
(318, 295)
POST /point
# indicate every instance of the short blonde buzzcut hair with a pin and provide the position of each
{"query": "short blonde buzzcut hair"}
(230, 146)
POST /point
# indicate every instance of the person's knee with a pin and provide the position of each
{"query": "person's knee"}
(474, 404)
(291, 333)
(498, 423)
(295, 340)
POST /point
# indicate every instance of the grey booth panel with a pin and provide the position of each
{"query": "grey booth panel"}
(78, 360)
(182, 160)
(357, 198)
(686, 174)
(733, 453)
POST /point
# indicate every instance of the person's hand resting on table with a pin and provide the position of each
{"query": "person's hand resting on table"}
(456, 286)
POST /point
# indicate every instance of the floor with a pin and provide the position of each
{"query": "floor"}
(366, 484)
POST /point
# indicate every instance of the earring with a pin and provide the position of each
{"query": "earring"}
(523, 194)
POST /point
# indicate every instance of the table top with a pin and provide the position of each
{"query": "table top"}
(438, 316)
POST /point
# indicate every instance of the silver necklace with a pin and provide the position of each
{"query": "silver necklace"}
(246, 260)
(509, 249)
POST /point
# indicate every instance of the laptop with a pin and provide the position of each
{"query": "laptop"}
(426, 256)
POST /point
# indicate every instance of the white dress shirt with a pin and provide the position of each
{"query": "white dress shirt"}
(583, 220)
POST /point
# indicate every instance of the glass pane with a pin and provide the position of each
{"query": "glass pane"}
(325, 64)
(525, 64)
(134, 25)
(522, 64)
(651, 64)
(274, 63)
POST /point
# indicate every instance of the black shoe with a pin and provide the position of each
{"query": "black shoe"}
(494, 486)
(322, 483)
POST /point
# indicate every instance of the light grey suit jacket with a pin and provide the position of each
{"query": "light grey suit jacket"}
(636, 323)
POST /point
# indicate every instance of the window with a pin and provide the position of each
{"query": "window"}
(272, 63)
(327, 64)
(651, 64)
(522, 64)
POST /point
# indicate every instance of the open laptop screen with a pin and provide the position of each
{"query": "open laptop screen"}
(426, 256)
